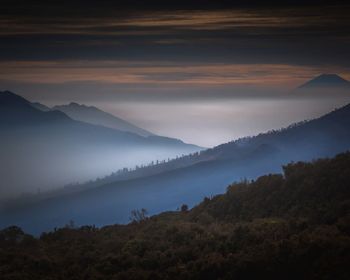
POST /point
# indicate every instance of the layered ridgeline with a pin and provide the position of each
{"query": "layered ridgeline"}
(93, 115)
(48, 149)
(187, 180)
(290, 226)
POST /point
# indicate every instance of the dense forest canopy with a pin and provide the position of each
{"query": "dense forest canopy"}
(290, 226)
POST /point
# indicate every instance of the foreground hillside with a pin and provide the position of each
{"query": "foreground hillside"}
(291, 226)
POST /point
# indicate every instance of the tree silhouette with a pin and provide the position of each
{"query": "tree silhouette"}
(184, 208)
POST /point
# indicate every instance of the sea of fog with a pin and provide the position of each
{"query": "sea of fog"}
(212, 122)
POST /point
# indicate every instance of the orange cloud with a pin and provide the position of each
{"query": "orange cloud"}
(150, 22)
(160, 73)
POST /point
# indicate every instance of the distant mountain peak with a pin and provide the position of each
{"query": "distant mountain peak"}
(326, 80)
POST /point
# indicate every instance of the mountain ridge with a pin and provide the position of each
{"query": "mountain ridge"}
(94, 115)
(16, 110)
(326, 81)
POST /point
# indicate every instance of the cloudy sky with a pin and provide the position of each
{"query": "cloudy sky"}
(178, 69)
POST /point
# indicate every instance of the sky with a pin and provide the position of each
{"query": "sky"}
(203, 71)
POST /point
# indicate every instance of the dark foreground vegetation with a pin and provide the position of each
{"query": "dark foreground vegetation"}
(295, 226)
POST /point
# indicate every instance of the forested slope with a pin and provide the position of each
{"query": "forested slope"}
(290, 226)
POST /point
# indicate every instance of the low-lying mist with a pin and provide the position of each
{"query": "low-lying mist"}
(44, 158)
(211, 122)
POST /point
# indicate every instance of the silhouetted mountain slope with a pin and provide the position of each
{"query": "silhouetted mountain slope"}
(190, 178)
(40, 106)
(49, 149)
(290, 226)
(326, 80)
(17, 111)
(96, 116)
(93, 115)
